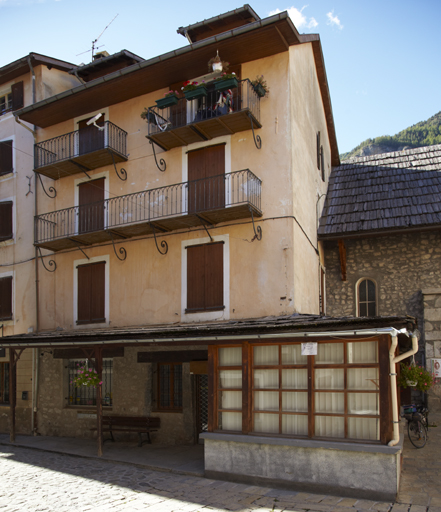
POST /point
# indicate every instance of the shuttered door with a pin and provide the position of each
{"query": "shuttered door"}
(6, 220)
(17, 95)
(90, 138)
(6, 157)
(6, 298)
(206, 177)
(205, 277)
(91, 205)
(91, 293)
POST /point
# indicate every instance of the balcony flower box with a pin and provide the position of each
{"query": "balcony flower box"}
(259, 90)
(223, 84)
(198, 92)
(167, 101)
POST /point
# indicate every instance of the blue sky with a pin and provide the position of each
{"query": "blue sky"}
(382, 57)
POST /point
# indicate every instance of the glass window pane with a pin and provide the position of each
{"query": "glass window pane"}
(329, 378)
(266, 423)
(371, 309)
(292, 354)
(329, 353)
(363, 403)
(362, 352)
(266, 355)
(268, 379)
(230, 378)
(329, 426)
(230, 356)
(230, 421)
(294, 424)
(371, 290)
(363, 378)
(230, 400)
(266, 400)
(330, 402)
(294, 402)
(295, 379)
(364, 428)
(362, 309)
(362, 295)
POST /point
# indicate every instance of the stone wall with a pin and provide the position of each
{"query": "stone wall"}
(432, 324)
(402, 266)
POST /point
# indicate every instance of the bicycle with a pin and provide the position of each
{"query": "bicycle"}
(417, 424)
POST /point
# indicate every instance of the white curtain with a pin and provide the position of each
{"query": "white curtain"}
(362, 352)
(329, 353)
(230, 356)
(266, 379)
(363, 378)
(294, 401)
(230, 421)
(330, 402)
(266, 423)
(364, 428)
(295, 379)
(266, 400)
(330, 378)
(230, 378)
(292, 354)
(363, 403)
(266, 355)
(231, 400)
(295, 424)
(329, 426)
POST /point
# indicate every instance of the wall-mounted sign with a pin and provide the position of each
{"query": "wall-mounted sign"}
(309, 348)
(436, 368)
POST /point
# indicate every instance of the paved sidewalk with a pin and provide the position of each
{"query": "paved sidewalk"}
(46, 479)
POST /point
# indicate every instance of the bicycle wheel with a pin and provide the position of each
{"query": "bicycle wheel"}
(417, 433)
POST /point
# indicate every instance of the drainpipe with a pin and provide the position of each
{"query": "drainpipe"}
(393, 380)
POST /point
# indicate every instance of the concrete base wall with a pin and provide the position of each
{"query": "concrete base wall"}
(343, 469)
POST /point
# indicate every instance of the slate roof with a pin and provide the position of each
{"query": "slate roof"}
(384, 193)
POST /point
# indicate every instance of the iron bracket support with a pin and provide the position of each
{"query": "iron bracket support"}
(161, 162)
(257, 230)
(79, 247)
(51, 189)
(122, 251)
(81, 167)
(164, 244)
(123, 175)
(204, 223)
(257, 139)
(51, 262)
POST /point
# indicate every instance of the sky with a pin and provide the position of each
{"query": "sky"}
(382, 57)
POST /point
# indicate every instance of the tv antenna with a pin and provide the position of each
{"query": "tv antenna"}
(94, 47)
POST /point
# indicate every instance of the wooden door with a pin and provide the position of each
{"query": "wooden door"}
(91, 206)
(206, 178)
(90, 137)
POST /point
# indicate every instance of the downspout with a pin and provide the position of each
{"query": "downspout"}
(393, 381)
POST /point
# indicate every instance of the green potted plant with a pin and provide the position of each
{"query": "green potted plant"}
(260, 86)
(170, 98)
(86, 376)
(226, 81)
(193, 90)
(415, 376)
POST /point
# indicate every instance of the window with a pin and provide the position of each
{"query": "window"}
(85, 395)
(6, 221)
(6, 165)
(91, 205)
(205, 278)
(367, 298)
(91, 293)
(170, 386)
(12, 100)
(6, 298)
(4, 383)
(5, 103)
(335, 394)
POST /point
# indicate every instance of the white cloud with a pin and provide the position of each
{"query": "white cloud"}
(334, 20)
(298, 18)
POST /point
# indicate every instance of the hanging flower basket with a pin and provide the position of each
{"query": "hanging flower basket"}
(223, 84)
(259, 90)
(168, 101)
(86, 376)
(415, 376)
(198, 92)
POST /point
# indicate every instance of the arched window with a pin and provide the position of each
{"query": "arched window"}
(367, 298)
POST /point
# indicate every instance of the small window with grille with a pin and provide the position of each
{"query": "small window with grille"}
(85, 395)
(367, 298)
(170, 386)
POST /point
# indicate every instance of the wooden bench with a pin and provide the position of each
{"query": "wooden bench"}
(139, 424)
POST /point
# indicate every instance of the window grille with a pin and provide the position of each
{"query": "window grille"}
(85, 395)
(170, 386)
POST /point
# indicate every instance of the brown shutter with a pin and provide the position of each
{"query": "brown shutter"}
(6, 298)
(6, 220)
(91, 205)
(90, 138)
(17, 96)
(6, 157)
(318, 150)
(91, 293)
(205, 277)
(322, 163)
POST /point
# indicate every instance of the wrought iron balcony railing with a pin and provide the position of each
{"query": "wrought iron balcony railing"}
(81, 150)
(205, 118)
(206, 201)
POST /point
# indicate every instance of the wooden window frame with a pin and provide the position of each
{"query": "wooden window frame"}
(171, 384)
(384, 415)
(6, 220)
(6, 287)
(92, 290)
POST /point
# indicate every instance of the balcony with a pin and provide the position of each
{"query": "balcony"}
(80, 151)
(205, 118)
(206, 201)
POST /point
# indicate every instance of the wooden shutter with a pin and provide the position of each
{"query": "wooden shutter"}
(6, 157)
(6, 298)
(205, 278)
(206, 176)
(91, 205)
(318, 150)
(322, 163)
(90, 138)
(17, 96)
(6, 220)
(91, 293)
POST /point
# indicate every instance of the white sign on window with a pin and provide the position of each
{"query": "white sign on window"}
(436, 368)
(309, 348)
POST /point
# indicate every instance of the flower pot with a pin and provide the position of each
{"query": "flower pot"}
(411, 383)
(168, 101)
(259, 90)
(199, 92)
(224, 85)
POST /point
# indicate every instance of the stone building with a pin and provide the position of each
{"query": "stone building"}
(380, 230)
